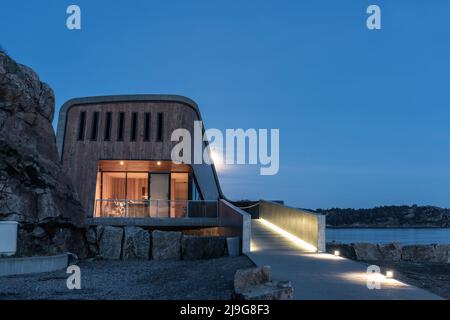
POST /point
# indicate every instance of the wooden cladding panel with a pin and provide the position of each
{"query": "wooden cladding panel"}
(80, 158)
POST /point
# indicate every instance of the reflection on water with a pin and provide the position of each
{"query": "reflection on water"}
(404, 236)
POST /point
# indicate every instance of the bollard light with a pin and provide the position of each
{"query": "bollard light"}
(337, 253)
(389, 274)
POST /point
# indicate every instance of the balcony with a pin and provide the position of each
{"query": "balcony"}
(125, 208)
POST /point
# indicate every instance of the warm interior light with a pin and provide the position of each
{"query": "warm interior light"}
(337, 253)
(389, 274)
(299, 242)
(121, 163)
(158, 163)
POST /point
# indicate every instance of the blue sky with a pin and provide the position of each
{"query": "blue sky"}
(363, 115)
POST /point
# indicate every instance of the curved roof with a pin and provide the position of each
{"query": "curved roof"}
(64, 110)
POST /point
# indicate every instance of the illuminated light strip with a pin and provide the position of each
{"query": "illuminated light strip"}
(299, 242)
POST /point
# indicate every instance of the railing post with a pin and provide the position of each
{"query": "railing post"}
(157, 208)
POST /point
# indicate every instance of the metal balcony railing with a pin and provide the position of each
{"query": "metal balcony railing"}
(126, 208)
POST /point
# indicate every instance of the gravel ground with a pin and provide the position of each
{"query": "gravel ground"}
(429, 276)
(134, 280)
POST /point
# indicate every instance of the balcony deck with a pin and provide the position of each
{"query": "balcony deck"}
(155, 222)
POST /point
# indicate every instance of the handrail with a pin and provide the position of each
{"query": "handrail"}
(156, 208)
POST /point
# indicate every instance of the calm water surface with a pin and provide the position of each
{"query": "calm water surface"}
(404, 236)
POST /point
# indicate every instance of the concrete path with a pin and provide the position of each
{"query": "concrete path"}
(321, 276)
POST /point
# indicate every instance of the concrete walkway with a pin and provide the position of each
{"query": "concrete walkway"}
(321, 276)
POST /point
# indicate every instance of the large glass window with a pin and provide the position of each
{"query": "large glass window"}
(113, 194)
(179, 194)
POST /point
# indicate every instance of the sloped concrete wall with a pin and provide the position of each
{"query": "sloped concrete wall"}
(308, 226)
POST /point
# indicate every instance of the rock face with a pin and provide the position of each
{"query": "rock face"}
(390, 252)
(426, 253)
(34, 190)
(195, 248)
(245, 278)
(110, 242)
(367, 251)
(434, 253)
(166, 245)
(136, 244)
(257, 284)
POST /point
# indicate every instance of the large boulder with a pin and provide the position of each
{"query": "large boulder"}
(166, 245)
(110, 242)
(195, 248)
(34, 189)
(136, 244)
(426, 253)
(250, 277)
(367, 251)
(257, 284)
(275, 290)
(391, 251)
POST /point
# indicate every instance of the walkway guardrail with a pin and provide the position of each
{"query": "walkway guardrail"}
(307, 226)
(235, 222)
(127, 208)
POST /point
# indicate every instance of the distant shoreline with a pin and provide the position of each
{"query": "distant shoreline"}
(386, 227)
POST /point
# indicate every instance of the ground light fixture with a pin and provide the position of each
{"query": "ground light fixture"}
(337, 253)
(389, 274)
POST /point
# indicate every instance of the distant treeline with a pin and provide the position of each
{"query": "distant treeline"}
(388, 216)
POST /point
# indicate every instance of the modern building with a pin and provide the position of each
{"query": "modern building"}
(117, 150)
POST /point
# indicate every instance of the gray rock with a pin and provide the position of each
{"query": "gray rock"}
(136, 243)
(391, 251)
(442, 253)
(38, 232)
(367, 251)
(110, 242)
(91, 236)
(418, 253)
(276, 290)
(245, 278)
(166, 245)
(195, 247)
(426, 253)
(34, 188)
(93, 250)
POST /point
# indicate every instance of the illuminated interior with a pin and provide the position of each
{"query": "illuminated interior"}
(144, 189)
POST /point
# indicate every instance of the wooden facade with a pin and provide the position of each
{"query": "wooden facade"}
(81, 152)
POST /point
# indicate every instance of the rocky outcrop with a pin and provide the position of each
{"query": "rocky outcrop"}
(136, 244)
(367, 251)
(257, 284)
(434, 253)
(34, 190)
(245, 278)
(388, 216)
(438, 253)
(166, 245)
(110, 242)
(195, 248)
(390, 251)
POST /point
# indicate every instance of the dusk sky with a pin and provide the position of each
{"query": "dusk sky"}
(363, 114)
